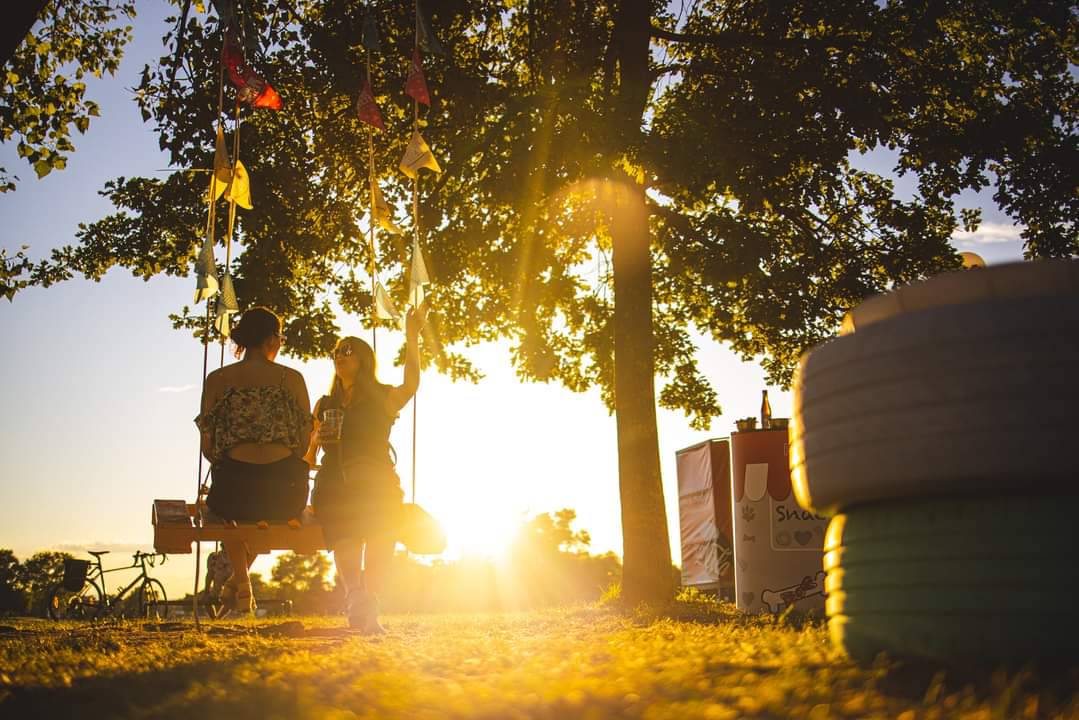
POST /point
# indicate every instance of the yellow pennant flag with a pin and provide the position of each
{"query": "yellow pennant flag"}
(381, 211)
(222, 166)
(240, 189)
(418, 155)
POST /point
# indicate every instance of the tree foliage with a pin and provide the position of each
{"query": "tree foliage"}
(764, 228)
(43, 88)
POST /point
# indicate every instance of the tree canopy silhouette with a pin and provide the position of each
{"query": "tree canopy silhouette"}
(614, 178)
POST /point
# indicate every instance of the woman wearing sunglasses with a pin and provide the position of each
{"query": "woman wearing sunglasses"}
(254, 422)
(357, 494)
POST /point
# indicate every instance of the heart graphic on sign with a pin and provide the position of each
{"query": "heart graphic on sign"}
(748, 598)
(803, 536)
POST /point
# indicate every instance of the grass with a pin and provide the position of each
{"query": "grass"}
(700, 661)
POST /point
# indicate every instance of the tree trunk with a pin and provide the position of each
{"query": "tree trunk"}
(646, 564)
(646, 551)
(18, 22)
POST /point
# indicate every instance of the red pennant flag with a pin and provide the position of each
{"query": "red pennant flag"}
(232, 54)
(251, 87)
(268, 98)
(367, 108)
(416, 85)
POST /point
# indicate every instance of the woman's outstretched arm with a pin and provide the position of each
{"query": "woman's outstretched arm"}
(414, 322)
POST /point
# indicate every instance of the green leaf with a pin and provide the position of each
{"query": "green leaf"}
(42, 168)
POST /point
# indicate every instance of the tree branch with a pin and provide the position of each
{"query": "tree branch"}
(729, 39)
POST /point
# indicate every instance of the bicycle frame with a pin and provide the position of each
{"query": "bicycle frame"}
(139, 561)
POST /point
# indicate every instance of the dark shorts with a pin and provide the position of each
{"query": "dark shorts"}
(275, 492)
(362, 502)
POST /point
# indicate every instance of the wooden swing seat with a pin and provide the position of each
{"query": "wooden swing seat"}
(175, 531)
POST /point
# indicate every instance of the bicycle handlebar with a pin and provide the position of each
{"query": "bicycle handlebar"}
(149, 558)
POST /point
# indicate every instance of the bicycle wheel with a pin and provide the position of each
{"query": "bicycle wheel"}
(85, 604)
(153, 604)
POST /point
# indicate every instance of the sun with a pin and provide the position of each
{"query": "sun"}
(476, 526)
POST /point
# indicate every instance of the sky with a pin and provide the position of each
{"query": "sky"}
(99, 392)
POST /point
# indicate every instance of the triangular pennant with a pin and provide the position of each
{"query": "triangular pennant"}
(416, 85)
(250, 86)
(418, 155)
(418, 275)
(227, 306)
(384, 307)
(367, 108)
(369, 37)
(231, 53)
(425, 36)
(381, 212)
(222, 166)
(240, 189)
(205, 272)
(268, 98)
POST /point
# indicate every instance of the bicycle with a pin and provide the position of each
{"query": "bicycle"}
(82, 594)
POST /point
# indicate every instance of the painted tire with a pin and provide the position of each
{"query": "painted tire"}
(992, 580)
(956, 400)
(1007, 640)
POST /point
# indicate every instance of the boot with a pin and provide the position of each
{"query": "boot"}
(363, 613)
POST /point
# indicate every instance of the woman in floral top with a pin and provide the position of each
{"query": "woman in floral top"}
(255, 423)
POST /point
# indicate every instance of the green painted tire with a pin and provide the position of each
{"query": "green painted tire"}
(1046, 573)
(999, 601)
(991, 579)
(994, 640)
(993, 520)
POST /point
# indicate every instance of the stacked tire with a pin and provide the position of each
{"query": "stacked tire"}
(938, 433)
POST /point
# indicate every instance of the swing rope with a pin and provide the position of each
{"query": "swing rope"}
(371, 248)
(416, 244)
(211, 232)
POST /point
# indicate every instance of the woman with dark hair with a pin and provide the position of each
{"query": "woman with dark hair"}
(254, 422)
(358, 495)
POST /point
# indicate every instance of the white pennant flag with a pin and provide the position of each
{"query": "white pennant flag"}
(384, 307)
(227, 306)
(418, 276)
(418, 155)
(206, 273)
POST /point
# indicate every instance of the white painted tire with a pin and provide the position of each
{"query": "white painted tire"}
(957, 399)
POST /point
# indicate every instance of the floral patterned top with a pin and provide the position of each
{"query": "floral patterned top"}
(255, 414)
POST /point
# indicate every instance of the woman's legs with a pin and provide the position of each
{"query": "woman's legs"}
(376, 562)
(348, 557)
(237, 589)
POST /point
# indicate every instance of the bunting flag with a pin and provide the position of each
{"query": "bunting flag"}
(369, 37)
(252, 89)
(381, 212)
(232, 54)
(425, 36)
(222, 166)
(367, 108)
(227, 306)
(418, 155)
(239, 190)
(418, 275)
(206, 272)
(416, 85)
(384, 307)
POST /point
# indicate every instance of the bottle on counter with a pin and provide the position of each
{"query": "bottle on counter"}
(766, 411)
